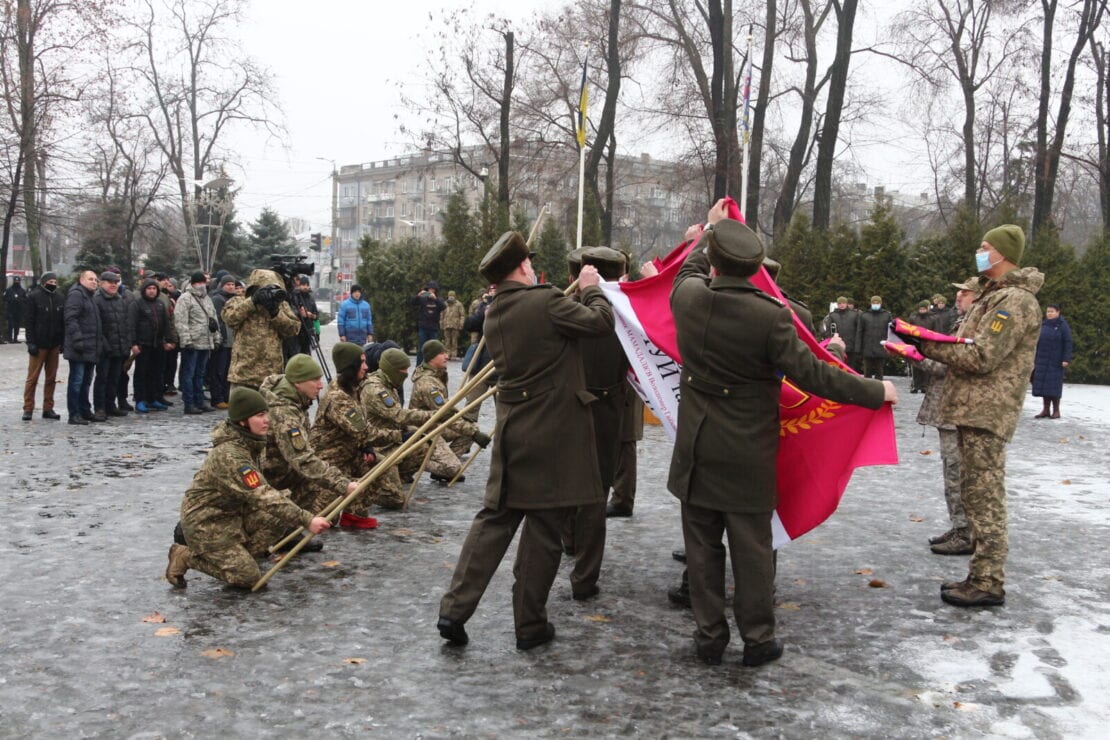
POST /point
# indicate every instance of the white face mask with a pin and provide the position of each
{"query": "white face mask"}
(876, 306)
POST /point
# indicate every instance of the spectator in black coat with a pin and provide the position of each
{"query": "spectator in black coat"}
(220, 363)
(116, 329)
(872, 330)
(14, 298)
(45, 331)
(148, 320)
(428, 308)
(84, 342)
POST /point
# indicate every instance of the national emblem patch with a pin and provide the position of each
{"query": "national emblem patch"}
(438, 400)
(387, 399)
(251, 477)
(296, 438)
(998, 322)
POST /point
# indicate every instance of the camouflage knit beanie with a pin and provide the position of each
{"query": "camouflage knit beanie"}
(301, 368)
(1009, 240)
(392, 363)
(345, 355)
(433, 348)
(245, 403)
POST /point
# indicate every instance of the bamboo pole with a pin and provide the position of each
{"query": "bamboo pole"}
(489, 392)
(465, 466)
(419, 473)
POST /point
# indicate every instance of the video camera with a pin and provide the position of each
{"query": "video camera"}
(289, 266)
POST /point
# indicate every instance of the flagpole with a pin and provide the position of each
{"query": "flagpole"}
(580, 136)
(747, 132)
(581, 189)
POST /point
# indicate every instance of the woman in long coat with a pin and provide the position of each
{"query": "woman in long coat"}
(1054, 349)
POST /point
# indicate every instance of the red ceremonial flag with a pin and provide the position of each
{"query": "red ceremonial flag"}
(821, 442)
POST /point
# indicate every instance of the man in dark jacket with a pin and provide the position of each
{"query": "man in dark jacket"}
(944, 316)
(736, 342)
(428, 308)
(544, 460)
(218, 366)
(14, 298)
(46, 328)
(118, 340)
(304, 305)
(148, 320)
(871, 332)
(844, 321)
(84, 342)
(919, 379)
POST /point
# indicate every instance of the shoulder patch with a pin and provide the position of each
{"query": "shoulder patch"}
(771, 298)
(998, 321)
(438, 399)
(352, 412)
(386, 399)
(251, 478)
(296, 438)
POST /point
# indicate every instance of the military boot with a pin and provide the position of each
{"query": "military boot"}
(961, 543)
(967, 595)
(178, 565)
(942, 537)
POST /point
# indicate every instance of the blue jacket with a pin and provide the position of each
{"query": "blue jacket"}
(356, 321)
(1053, 348)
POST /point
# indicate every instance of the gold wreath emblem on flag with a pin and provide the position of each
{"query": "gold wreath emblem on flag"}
(817, 416)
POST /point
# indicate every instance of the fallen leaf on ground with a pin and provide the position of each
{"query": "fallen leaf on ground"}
(789, 605)
(330, 563)
(799, 581)
(926, 452)
(1066, 482)
(166, 631)
(354, 661)
(876, 583)
(916, 518)
(598, 618)
(1064, 441)
(401, 532)
(864, 572)
(154, 618)
(216, 653)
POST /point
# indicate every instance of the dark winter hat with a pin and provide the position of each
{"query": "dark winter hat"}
(922, 304)
(228, 278)
(609, 262)
(356, 288)
(244, 403)
(393, 358)
(504, 257)
(574, 261)
(734, 249)
(197, 277)
(773, 267)
(345, 355)
(431, 285)
(301, 368)
(842, 299)
(876, 299)
(432, 349)
(48, 276)
(109, 277)
(115, 269)
(303, 280)
(1009, 240)
(16, 279)
(159, 276)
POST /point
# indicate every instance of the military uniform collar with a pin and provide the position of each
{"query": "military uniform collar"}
(507, 286)
(724, 282)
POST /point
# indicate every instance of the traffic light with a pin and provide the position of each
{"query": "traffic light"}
(316, 242)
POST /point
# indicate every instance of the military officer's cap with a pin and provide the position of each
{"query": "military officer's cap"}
(504, 257)
(610, 263)
(733, 248)
(243, 403)
(972, 284)
(574, 261)
(345, 355)
(301, 368)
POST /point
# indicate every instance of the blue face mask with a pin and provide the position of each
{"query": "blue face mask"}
(876, 306)
(983, 261)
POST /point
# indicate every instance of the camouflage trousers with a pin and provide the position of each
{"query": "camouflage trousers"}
(237, 565)
(451, 342)
(392, 488)
(950, 462)
(983, 491)
(443, 462)
(312, 496)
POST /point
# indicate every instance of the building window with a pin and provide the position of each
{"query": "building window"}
(389, 211)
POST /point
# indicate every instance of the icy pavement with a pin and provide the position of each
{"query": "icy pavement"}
(345, 640)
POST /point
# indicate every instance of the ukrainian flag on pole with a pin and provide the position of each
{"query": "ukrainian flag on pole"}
(583, 99)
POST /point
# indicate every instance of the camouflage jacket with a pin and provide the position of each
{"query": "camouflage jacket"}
(429, 393)
(290, 457)
(985, 387)
(929, 413)
(340, 431)
(229, 486)
(381, 405)
(454, 315)
(256, 350)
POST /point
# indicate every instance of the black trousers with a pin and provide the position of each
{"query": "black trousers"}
(148, 374)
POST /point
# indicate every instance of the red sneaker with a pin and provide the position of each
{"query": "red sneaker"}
(357, 522)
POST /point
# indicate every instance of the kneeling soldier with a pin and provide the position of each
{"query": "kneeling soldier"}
(230, 514)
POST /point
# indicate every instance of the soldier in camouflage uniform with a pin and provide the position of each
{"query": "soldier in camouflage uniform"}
(429, 393)
(341, 435)
(230, 513)
(382, 407)
(451, 321)
(957, 540)
(983, 396)
(291, 461)
(260, 319)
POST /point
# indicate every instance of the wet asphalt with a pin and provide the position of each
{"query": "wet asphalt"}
(95, 643)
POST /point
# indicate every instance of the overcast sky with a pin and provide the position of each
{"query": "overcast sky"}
(338, 64)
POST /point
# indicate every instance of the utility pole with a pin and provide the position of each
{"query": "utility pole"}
(335, 212)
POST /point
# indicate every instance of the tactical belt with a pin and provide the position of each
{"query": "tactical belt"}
(747, 390)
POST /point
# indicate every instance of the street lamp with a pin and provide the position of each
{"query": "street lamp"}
(215, 197)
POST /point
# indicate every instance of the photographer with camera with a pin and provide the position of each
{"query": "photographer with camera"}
(260, 319)
(304, 305)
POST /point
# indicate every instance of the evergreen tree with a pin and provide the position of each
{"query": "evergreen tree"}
(883, 263)
(268, 236)
(103, 238)
(1086, 306)
(493, 221)
(521, 222)
(802, 253)
(459, 253)
(551, 254)
(390, 275)
(234, 253)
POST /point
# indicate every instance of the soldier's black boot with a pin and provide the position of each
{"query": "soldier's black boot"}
(543, 638)
(762, 652)
(680, 594)
(452, 631)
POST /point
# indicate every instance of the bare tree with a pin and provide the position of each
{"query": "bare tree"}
(197, 85)
(1048, 153)
(829, 135)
